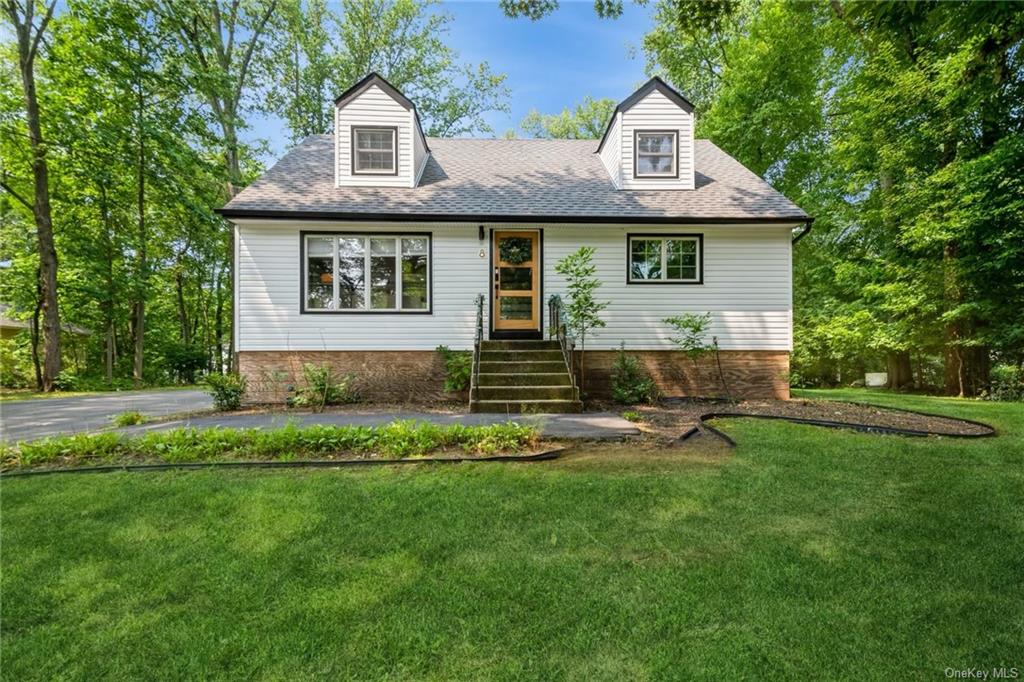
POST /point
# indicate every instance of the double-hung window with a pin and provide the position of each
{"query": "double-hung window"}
(366, 273)
(374, 151)
(670, 258)
(655, 154)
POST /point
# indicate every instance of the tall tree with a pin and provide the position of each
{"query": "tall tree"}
(29, 37)
(585, 121)
(223, 44)
(322, 53)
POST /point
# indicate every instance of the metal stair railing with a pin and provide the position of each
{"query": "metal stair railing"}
(559, 329)
(477, 342)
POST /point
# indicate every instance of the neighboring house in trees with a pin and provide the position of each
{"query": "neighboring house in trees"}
(366, 249)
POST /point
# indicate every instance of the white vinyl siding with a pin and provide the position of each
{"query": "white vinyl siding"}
(419, 151)
(374, 108)
(747, 288)
(611, 152)
(657, 112)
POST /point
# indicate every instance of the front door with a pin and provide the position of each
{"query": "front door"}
(516, 281)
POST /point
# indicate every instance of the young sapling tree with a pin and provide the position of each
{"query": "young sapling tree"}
(582, 311)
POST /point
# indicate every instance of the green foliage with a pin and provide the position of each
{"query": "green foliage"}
(631, 416)
(129, 418)
(396, 439)
(586, 121)
(898, 126)
(691, 333)
(15, 365)
(227, 390)
(1007, 383)
(631, 383)
(323, 388)
(583, 310)
(458, 368)
(183, 360)
(324, 49)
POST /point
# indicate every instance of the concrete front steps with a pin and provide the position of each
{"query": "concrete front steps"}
(523, 377)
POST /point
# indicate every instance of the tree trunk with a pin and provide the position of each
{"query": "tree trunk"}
(34, 336)
(901, 374)
(179, 288)
(218, 322)
(51, 364)
(141, 292)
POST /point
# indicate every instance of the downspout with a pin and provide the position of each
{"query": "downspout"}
(807, 228)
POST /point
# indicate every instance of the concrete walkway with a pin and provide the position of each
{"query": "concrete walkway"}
(588, 426)
(40, 417)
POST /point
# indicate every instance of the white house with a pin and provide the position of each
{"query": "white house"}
(367, 249)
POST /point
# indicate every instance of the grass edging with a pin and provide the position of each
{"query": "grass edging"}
(853, 426)
(544, 456)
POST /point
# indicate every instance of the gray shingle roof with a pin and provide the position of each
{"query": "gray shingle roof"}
(529, 179)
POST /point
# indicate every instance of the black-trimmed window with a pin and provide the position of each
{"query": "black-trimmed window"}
(665, 259)
(366, 273)
(374, 151)
(655, 154)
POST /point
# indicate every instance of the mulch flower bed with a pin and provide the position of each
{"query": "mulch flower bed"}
(671, 418)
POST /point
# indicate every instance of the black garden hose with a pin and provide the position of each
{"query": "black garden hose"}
(291, 464)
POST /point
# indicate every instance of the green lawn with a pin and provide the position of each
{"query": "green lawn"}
(804, 552)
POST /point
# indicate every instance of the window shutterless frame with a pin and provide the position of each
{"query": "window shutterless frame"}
(675, 154)
(304, 265)
(698, 237)
(354, 150)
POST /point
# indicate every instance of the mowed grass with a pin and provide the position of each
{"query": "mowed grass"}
(805, 552)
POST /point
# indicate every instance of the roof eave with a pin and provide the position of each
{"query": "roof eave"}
(271, 214)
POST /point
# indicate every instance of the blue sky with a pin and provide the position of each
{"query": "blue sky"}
(551, 63)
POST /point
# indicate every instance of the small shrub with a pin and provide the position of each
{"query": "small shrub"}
(227, 390)
(631, 416)
(458, 367)
(324, 388)
(129, 418)
(631, 384)
(1007, 383)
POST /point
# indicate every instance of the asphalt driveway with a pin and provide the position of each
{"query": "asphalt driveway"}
(39, 417)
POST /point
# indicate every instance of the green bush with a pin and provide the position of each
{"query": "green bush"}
(324, 388)
(631, 416)
(130, 418)
(1007, 383)
(394, 440)
(631, 384)
(458, 367)
(227, 390)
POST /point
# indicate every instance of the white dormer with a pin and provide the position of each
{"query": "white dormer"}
(649, 141)
(378, 140)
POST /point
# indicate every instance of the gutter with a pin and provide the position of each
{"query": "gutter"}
(242, 213)
(808, 224)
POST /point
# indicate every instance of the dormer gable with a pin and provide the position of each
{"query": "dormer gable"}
(648, 143)
(378, 138)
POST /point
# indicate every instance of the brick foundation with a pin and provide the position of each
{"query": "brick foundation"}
(381, 376)
(748, 374)
(418, 376)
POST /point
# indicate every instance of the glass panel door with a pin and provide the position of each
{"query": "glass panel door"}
(516, 281)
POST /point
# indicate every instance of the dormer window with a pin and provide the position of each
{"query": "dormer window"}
(375, 151)
(656, 154)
